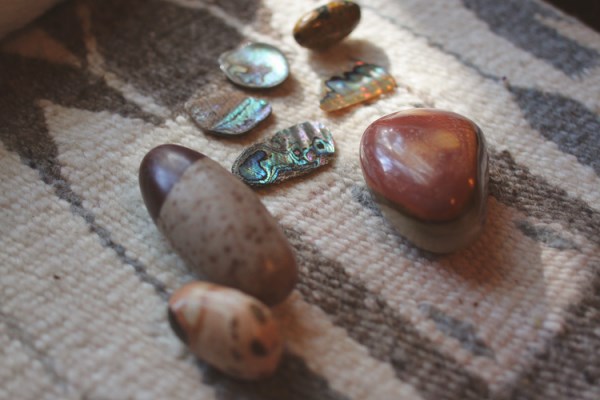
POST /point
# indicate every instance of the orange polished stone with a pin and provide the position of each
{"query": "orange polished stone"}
(427, 169)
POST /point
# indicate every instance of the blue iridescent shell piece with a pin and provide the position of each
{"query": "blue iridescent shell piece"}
(291, 152)
(228, 114)
(365, 82)
(255, 65)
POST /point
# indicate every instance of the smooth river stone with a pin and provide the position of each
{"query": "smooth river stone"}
(327, 25)
(229, 114)
(216, 223)
(226, 328)
(428, 171)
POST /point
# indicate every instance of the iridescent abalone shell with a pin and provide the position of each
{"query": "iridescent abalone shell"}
(293, 151)
(255, 65)
(228, 114)
(428, 171)
(365, 82)
(327, 25)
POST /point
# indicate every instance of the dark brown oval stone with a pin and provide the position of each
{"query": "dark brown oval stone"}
(160, 169)
(427, 169)
(327, 25)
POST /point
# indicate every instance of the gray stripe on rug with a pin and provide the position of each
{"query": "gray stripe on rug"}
(462, 331)
(543, 234)
(148, 58)
(518, 22)
(573, 127)
(388, 336)
(513, 185)
(26, 132)
(564, 370)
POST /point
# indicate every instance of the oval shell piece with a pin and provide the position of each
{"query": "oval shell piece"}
(255, 65)
(228, 114)
(327, 25)
(216, 223)
(226, 328)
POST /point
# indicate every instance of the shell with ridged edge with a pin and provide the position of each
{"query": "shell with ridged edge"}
(291, 152)
(364, 83)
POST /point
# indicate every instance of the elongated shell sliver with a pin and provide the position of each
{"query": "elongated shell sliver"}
(255, 65)
(365, 82)
(228, 114)
(291, 152)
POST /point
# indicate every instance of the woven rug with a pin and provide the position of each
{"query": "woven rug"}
(89, 88)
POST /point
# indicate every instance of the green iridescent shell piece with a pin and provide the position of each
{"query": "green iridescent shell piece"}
(365, 82)
(228, 114)
(291, 152)
(255, 65)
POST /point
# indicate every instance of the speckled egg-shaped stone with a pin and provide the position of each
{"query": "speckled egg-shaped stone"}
(217, 223)
(428, 171)
(327, 25)
(226, 328)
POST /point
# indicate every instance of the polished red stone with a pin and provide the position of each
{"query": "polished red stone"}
(430, 167)
(423, 160)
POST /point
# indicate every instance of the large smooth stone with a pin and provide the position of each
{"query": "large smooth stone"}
(327, 25)
(428, 171)
(226, 328)
(216, 223)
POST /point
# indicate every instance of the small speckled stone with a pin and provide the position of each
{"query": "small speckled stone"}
(291, 152)
(226, 328)
(364, 83)
(216, 223)
(428, 170)
(327, 25)
(255, 65)
(228, 114)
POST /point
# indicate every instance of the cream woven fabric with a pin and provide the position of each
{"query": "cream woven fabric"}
(88, 89)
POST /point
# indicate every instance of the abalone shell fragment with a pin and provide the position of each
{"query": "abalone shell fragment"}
(228, 114)
(428, 170)
(255, 65)
(226, 328)
(365, 82)
(216, 223)
(291, 152)
(327, 25)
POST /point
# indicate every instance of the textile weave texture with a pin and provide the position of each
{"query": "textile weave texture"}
(89, 88)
